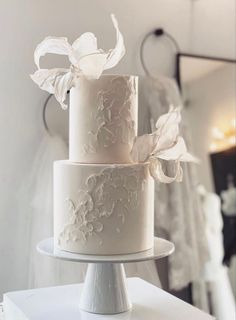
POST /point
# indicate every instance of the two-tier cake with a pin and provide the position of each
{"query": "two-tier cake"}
(103, 202)
(103, 195)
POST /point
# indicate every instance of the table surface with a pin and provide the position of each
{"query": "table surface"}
(61, 303)
(162, 248)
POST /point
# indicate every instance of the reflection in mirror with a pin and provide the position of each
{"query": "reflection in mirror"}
(209, 94)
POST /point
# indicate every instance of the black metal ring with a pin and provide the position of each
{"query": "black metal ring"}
(157, 33)
(45, 124)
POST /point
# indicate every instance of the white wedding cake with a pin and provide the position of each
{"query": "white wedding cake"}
(103, 202)
(104, 193)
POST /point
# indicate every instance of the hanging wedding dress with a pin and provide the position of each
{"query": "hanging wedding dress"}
(178, 213)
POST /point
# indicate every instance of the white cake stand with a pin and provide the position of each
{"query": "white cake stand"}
(104, 290)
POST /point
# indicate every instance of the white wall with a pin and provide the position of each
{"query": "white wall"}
(212, 103)
(200, 26)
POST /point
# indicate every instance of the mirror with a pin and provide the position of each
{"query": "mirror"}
(209, 94)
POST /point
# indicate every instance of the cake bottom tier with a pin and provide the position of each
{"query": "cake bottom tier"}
(103, 209)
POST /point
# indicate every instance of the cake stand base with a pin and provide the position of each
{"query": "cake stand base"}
(104, 290)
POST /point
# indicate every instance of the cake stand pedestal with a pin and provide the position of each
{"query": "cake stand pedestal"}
(104, 290)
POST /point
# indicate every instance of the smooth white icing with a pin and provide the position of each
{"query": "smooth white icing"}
(103, 119)
(103, 209)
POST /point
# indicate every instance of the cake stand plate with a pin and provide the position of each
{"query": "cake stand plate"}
(161, 249)
(104, 290)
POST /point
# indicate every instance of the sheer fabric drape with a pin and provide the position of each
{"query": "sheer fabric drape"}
(178, 213)
(36, 199)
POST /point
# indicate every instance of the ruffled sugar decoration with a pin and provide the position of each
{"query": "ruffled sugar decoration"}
(85, 58)
(165, 143)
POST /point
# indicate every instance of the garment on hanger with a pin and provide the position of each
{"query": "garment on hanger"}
(178, 213)
(224, 173)
(215, 274)
(229, 201)
(229, 215)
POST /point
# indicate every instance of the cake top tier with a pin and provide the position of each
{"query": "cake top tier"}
(103, 116)
(103, 109)
(103, 119)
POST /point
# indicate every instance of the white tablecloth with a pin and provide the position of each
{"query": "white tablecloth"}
(61, 303)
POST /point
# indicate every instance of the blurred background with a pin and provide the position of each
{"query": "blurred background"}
(191, 63)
